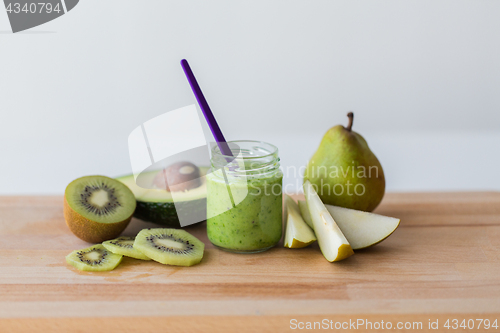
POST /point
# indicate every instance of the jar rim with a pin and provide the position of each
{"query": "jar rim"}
(216, 149)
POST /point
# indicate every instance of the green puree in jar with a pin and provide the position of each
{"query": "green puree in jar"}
(254, 224)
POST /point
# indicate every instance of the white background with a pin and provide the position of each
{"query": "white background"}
(423, 78)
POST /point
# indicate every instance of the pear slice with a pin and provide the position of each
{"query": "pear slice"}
(297, 233)
(304, 211)
(362, 229)
(331, 240)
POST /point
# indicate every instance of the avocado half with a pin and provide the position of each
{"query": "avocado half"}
(157, 205)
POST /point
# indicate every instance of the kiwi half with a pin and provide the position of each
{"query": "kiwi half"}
(95, 258)
(98, 208)
(170, 246)
(124, 246)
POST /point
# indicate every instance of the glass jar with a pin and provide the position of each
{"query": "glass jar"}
(244, 197)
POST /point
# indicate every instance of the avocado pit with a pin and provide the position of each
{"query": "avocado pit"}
(180, 176)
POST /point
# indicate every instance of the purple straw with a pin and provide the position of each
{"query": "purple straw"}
(209, 116)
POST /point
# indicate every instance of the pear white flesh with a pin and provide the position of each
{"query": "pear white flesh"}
(363, 229)
(304, 211)
(297, 233)
(331, 240)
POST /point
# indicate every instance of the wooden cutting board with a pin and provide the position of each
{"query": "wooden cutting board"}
(442, 263)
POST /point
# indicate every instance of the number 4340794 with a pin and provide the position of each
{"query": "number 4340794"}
(471, 324)
(33, 8)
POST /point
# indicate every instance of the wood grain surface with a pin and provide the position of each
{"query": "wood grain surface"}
(443, 262)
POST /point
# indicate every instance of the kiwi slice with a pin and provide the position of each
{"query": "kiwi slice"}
(98, 208)
(170, 246)
(95, 258)
(124, 246)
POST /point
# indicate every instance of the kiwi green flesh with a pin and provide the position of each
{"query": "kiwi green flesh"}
(161, 195)
(100, 199)
(124, 246)
(95, 259)
(170, 246)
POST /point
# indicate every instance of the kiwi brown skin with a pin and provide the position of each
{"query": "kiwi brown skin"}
(91, 231)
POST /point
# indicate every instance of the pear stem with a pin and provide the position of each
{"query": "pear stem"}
(351, 118)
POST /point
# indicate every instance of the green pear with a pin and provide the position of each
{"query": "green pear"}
(345, 172)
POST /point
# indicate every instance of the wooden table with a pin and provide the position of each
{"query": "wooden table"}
(442, 263)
